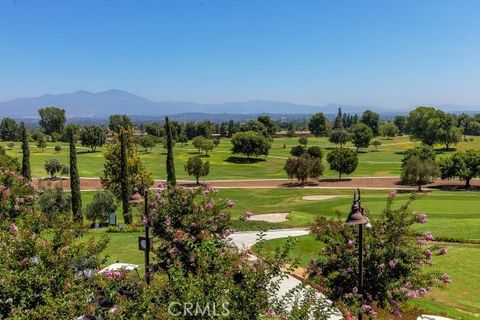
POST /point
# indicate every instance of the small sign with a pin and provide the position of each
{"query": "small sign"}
(142, 243)
(112, 219)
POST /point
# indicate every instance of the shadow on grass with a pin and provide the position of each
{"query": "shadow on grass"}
(242, 160)
(88, 152)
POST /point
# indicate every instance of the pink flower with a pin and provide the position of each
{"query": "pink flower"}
(229, 203)
(428, 254)
(117, 274)
(351, 243)
(428, 236)
(393, 263)
(392, 194)
(443, 251)
(270, 313)
(446, 278)
(421, 218)
(145, 220)
(397, 313)
(14, 229)
(173, 251)
(247, 215)
(381, 266)
(107, 274)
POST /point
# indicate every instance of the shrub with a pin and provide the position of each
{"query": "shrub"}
(394, 259)
(58, 148)
(10, 145)
(103, 203)
(54, 167)
(303, 167)
(297, 151)
(53, 202)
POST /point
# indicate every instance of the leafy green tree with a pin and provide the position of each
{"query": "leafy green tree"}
(250, 143)
(119, 121)
(254, 125)
(58, 148)
(183, 139)
(376, 144)
(389, 130)
(197, 168)
(342, 160)
(41, 142)
(197, 142)
(447, 132)
(271, 129)
(54, 202)
(464, 165)
(124, 177)
(361, 135)
(318, 125)
(171, 177)
(423, 152)
(297, 151)
(371, 119)
(155, 129)
(54, 167)
(8, 162)
(52, 120)
(401, 122)
(304, 167)
(25, 171)
(93, 137)
(303, 141)
(102, 205)
(74, 177)
(147, 142)
(422, 124)
(417, 171)
(340, 136)
(9, 130)
(315, 152)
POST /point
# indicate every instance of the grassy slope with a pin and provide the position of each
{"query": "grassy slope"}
(384, 162)
(458, 300)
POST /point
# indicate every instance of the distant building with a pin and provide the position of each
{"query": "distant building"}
(284, 133)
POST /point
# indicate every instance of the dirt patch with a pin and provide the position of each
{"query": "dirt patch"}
(321, 197)
(270, 217)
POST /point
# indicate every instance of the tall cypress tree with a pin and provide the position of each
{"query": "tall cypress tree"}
(125, 190)
(171, 179)
(74, 177)
(26, 171)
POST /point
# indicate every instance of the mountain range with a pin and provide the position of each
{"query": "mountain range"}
(88, 104)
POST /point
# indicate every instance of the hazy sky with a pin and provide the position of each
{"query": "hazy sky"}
(390, 53)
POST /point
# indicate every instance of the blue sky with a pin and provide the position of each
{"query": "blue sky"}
(389, 53)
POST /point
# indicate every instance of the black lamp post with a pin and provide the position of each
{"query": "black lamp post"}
(144, 242)
(356, 217)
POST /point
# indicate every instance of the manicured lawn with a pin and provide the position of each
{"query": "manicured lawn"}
(459, 300)
(224, 165)
(451, 214)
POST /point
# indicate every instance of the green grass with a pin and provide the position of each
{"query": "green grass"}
(451, 214)
(459, 300)
(384, 162)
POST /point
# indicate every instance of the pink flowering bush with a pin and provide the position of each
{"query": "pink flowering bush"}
(182, 219)
(16, 195)
(395, 260)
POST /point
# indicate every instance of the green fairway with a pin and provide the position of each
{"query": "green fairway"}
(223, 164)
(453, 214)
(459, 300)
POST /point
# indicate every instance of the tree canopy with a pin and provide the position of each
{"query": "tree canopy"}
(250, 143)
(52, 120)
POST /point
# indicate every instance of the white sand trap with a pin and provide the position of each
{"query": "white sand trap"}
(270, 217)
(321, 197)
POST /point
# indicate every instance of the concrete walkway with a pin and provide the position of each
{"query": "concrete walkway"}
(245, 240)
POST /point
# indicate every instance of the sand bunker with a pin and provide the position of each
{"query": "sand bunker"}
(321, 197)
(270, 217)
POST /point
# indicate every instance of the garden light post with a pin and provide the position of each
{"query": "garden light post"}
(356, 217)
(144, 242)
